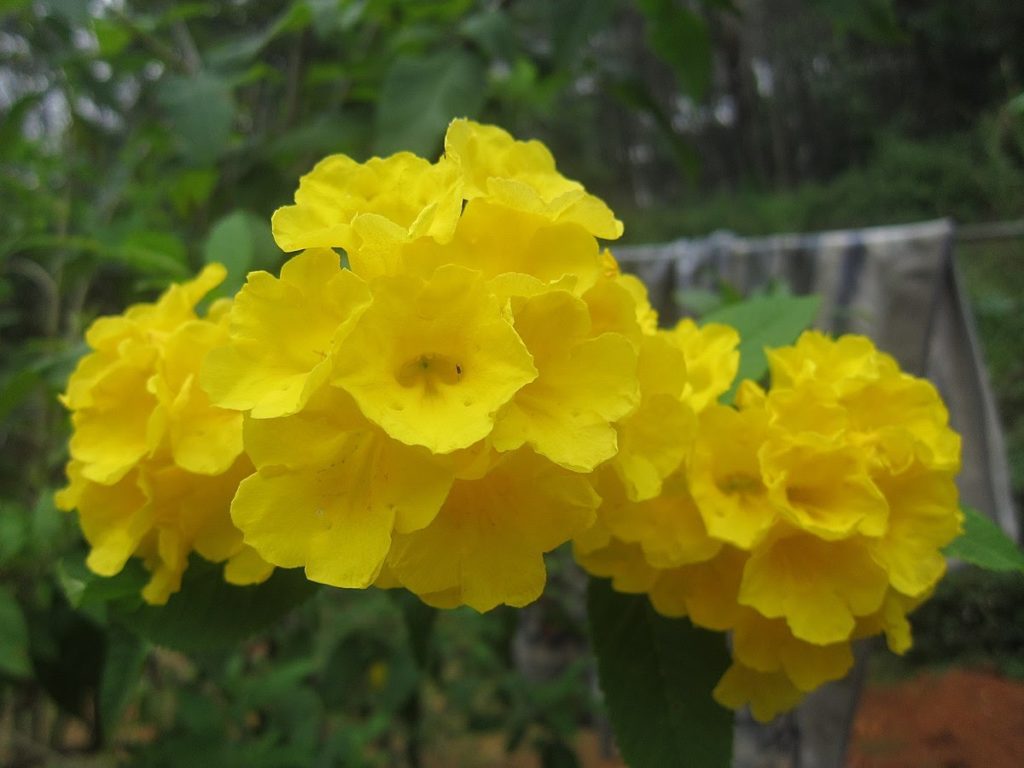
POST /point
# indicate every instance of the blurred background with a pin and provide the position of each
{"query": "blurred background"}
(141, 139)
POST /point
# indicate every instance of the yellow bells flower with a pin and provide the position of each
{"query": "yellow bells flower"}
(203, 439)
(905, 419)
(845, 364)
(823, 488)
(432, 361)
(190, 512)
(614, 308)
(603, 555)
(891, 619)
(486, 545)
(923, 518)
(767, 645)
(154, 465)
(767, 693)
(706, 592)
(818, 586)
(584, 385)
(497, 240)
(342, 203)
(113, 517)
(623, 563)
(283, 332)
(725, 475)
(109, 393)
(898, 417)
(668, 527)
(330, 490)
(113, 433)
(655, 438)
(522, 175)
(712, 359)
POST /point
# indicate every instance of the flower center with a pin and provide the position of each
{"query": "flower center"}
(740, 483)
(428, 371)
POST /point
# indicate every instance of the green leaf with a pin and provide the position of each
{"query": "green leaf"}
(419, 625)
(122, 666)
(158, 254)
(420, 96)
(679, 37)
(111, 36)
(208, 613)
(14, 520)
(241, 50)
(9, 6)
(13, 637)
(14, 389)
(657, 675)
(984, 544)
(241, 242)
(201, 111)
(768, 321)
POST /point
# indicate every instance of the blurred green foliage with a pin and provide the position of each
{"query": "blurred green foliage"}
(141, 139)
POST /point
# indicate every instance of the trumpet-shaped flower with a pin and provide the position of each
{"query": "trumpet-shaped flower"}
(153, 463)
(283, 332)
(818, 586)
(497, 240)
(726, 479)
(486, 545)
(431, 362)
(711, 359)
(584, 384)
(331, 489)
(522, 175)
(767, 693)
(345, 204)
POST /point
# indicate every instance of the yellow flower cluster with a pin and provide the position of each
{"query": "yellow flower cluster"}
(480, 385)
(432, 416)
(153, 464)
(804, 518)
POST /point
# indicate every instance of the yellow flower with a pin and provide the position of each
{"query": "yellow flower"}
(342, 203)
(845, 364)
(923, 518)
(331, 489)
(283, 332)
(767, 693)
(497, 240)
(153, 464)
(824, 488)
(726, 478)
(486, 545)
(431, 362)
(522, 175)
(706, 592)
(891, 619)
(897, 417)
(654, 439)
(904, 420)
(712, 359)
(668, 527)
(768, 645)
(584, 384)
(819, 587)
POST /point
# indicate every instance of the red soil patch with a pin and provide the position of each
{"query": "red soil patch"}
(959, 719)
